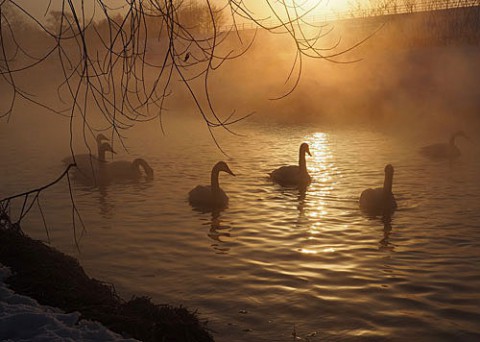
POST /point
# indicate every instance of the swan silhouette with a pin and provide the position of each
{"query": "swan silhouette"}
(294, 175)
(444, 150)
(126, 170)
(211, 196)
(380, 201)
(84, 160)
(90, 171)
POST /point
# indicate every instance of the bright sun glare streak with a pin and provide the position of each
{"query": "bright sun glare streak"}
(326, 7)
(320, 167)
(308, 251)
(321, 156)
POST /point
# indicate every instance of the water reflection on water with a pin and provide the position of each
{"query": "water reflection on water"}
(280, 261)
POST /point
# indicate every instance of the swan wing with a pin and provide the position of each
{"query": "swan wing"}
(371, 198)
(290, 176)
(372, 201)
(121, 169)
(286, 174)
(203, 198)
(199, 194)
(440, 151)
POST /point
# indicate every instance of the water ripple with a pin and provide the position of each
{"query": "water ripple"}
(279, 260)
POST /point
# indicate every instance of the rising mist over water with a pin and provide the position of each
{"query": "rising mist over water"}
(403, 73)
(383, 81)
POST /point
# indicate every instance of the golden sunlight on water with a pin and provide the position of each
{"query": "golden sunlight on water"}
(280, 260)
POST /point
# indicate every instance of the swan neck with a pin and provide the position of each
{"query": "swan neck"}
(214, 180)
(146, 168)
(101, 153)
(388, 183)
(301, 161)
(452, 139)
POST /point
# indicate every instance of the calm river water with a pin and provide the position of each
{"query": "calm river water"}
(275, 263)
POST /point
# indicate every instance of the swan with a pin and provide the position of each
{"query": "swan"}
(91, 170)
(444, 150)
(294, 175)
(380, 201)
(85, 159)
(211, 196)
(125, 170)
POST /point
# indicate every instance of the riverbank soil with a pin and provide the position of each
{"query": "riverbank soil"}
(56, 279)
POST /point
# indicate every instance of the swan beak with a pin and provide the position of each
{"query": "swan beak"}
(308, 151)
(229, 171)
(462, 134)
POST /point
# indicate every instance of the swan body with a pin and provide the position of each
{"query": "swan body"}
(91, 171)
(211, 196)
(294, 175)
(444, 150)
(380, 201)
(125, 170)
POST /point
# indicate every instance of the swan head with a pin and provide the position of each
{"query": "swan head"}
(389, 170)
(458, 134)
(463, 135)
(100, 137)
(305, 148)
(149, 173)
(107, 147)
(222, 166)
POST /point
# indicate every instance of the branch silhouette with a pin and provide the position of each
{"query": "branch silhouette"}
(117, 66)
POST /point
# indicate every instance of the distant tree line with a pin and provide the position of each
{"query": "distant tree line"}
(362, 8)
(421, 23)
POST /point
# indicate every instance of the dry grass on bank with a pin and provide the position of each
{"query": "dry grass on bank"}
(56, 279)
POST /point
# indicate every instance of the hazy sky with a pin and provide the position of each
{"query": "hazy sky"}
(40, 8)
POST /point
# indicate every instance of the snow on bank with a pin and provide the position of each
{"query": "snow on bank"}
(23, 319)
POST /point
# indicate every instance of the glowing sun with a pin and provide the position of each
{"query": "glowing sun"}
(327, 6)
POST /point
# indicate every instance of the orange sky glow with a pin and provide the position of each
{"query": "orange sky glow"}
(319, 8)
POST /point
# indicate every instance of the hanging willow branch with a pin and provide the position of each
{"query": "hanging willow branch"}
(117, 66)
(32, 198)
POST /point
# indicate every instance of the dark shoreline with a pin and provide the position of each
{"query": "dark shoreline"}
(55, 279)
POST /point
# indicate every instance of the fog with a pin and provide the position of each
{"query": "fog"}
(403, 75)
(384, 81)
